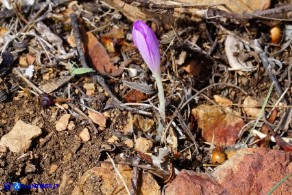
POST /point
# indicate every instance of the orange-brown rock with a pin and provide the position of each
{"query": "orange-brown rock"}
(192, 183)
(248, 171)
(255, 171)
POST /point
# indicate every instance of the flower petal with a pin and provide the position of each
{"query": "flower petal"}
(146, 42)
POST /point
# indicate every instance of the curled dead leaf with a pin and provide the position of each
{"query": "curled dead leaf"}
(135, 96)
(99, 57)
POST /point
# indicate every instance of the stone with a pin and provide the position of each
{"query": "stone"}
(219, 126)
(62, 123)
(255, 171)
(20, 137)
(104, 180)
(97, 118)
(84, 135)
(53, 169)
(192, 183)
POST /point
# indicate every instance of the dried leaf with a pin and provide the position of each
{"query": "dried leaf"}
(99, 57)
(48, 35)
(54, 84)
(193, 67)
(145, 157)
(135, 96)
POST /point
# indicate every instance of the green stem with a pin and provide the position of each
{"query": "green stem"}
(161, 98)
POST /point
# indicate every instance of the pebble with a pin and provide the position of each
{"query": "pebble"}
(62, 123)
(84, 135)
(20, 137)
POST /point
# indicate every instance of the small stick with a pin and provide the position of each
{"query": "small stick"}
(33, 20)
(17, 72)
(118, 173)
(85, 116)
(78, 40)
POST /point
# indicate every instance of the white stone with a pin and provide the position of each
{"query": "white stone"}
(20, 137)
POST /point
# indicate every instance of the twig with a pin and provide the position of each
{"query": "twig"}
(262, 135)
(18, 73)
(118, 103)
(34, 19)
(78, 40)
(207, 11)
(118, 173)
(85, 116)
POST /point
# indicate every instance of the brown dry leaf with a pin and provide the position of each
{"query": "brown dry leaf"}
(110, 182)
(135, 96)
(54, 84)
(99, 57)
(222, 100)
(97, 118)
(218, 127)
(193, 67)
(250, 106)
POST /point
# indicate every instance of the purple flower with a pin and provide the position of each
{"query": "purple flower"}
(147, 44)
